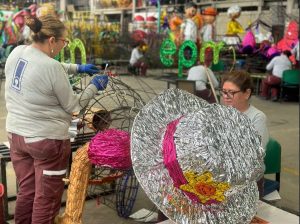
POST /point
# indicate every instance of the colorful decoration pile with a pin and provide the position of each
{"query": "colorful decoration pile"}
(97, 33)
(163, 28)
(256, 44)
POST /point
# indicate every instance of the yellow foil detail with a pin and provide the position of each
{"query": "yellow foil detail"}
(204, 187)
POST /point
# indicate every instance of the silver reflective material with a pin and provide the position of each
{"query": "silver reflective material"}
(208, 137)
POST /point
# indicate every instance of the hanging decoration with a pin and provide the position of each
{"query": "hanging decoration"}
(76, 43)
(175, 22)
(289, 39)
(192, 48)
(248, 43)
(216, 46)
(167, 49)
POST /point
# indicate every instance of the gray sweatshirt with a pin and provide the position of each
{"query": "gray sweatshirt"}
(259, 121)
(39, 97)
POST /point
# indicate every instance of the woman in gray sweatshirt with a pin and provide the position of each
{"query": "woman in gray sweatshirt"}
(40, 102)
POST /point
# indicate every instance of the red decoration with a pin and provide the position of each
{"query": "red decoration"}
(139, 18)
(150, 19)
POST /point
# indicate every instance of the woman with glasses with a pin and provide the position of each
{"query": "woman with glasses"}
(236, 90)
(40, 102)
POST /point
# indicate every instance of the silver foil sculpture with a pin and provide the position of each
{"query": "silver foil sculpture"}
(197, 162)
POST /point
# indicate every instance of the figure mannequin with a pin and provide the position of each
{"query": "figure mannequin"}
(233, 27)
(199, 22)
(189, 27)
(290, 38)
(208, 30)
(175, 23)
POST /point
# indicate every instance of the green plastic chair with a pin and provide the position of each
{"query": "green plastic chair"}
(273, 165)
(220, 67)
(290, 79)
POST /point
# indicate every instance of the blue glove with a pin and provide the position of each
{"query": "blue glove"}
(88, 68)
(100, 81)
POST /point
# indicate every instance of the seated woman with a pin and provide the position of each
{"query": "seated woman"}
(236, 90)
(200, 74)
(277, 66)
(137, 59)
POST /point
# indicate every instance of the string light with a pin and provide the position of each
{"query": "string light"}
(182, 60)
(76, 43)
(216, 47)
(167, 49)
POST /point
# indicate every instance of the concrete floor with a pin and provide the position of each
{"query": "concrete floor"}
(283, 124)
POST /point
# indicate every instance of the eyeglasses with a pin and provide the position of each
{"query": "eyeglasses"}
(66, 42)
(229, 93)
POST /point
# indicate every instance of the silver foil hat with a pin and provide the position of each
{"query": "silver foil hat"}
(197, 162)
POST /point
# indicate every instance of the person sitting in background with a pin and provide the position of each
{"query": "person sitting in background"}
(236, 90)
(295, 51)
(200, 73)
(277, 65)
(137, 60)
(40, 102)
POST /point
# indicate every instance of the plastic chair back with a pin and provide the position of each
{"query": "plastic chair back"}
(291, 77)
(273, 157)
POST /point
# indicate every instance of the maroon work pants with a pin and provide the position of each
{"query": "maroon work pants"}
(270, 82)
(141, 65)
(39, 167)
(207, 95)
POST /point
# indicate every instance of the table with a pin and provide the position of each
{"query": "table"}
(171, 78)
(258, 77)
(269, 213)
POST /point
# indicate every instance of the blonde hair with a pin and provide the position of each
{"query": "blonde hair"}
(45, 27)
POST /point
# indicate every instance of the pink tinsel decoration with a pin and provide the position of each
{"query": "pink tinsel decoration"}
(249, 40)
(272, 51)
(170, 159)
(111, 148)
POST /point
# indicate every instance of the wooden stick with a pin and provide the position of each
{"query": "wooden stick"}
(211, 85)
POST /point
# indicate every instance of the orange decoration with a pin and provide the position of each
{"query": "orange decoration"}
(198, 20)
(205, 189)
